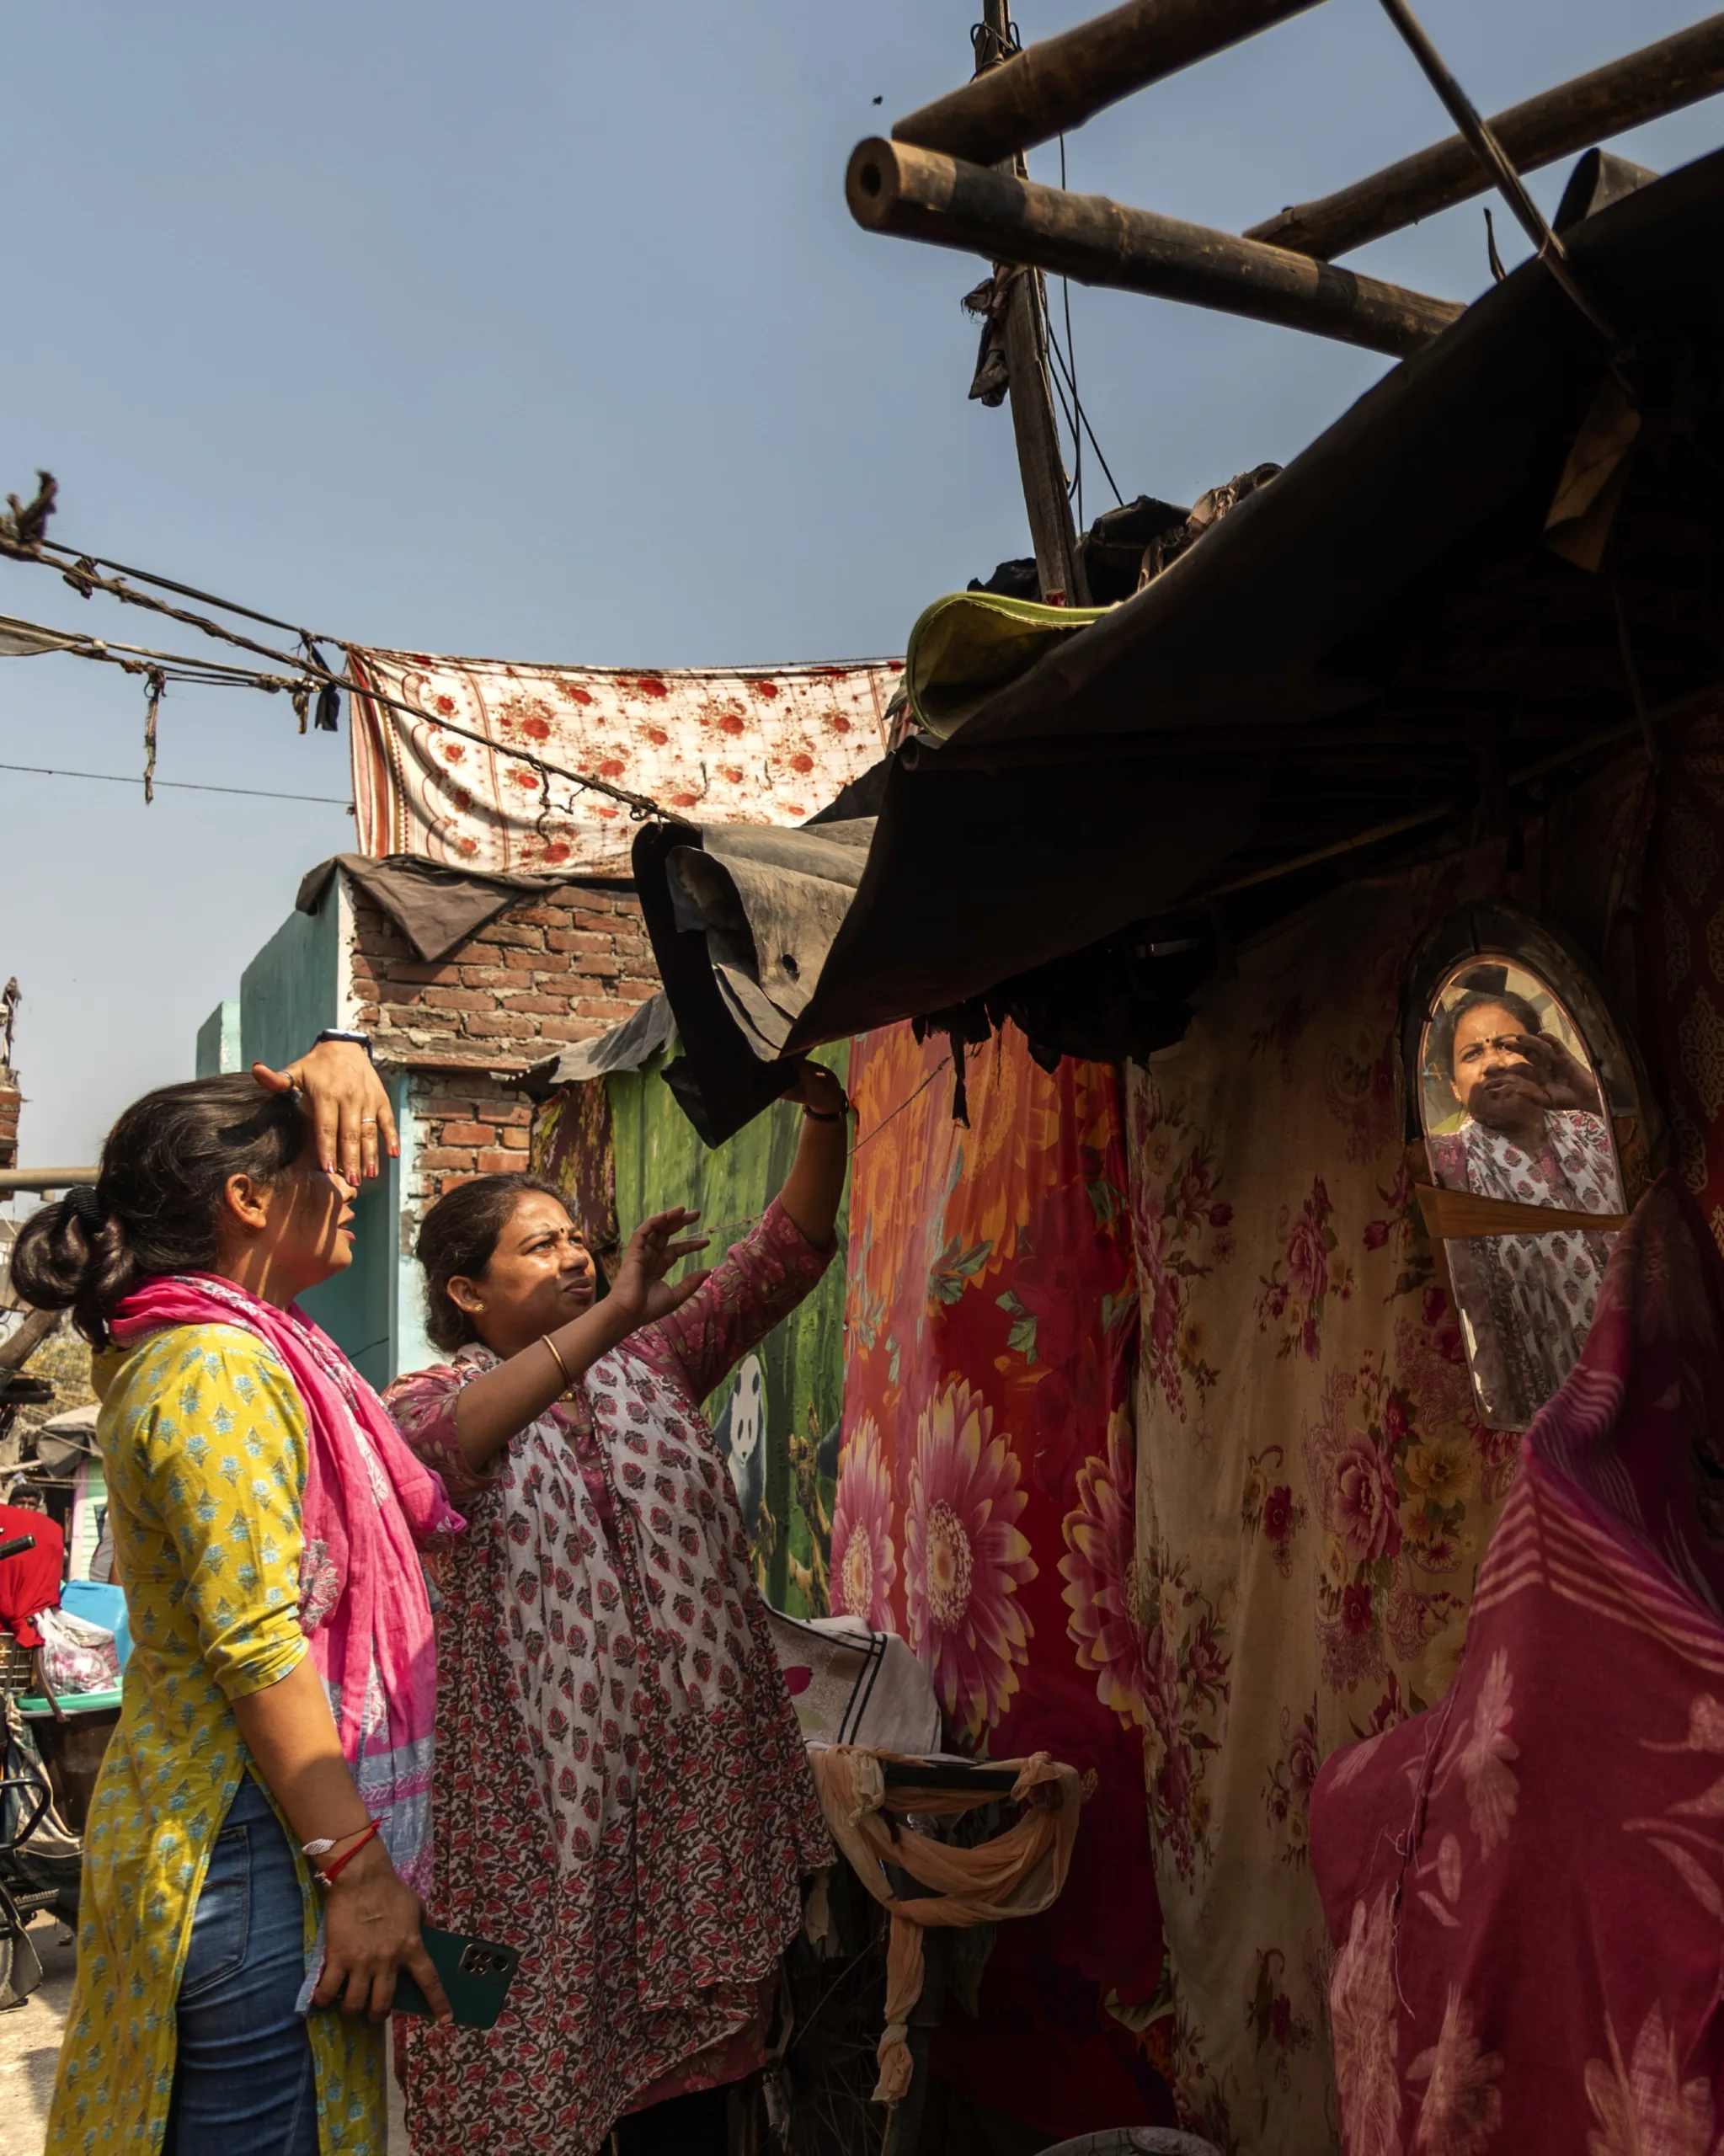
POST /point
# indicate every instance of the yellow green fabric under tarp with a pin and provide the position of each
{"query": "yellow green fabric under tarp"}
(967, 646)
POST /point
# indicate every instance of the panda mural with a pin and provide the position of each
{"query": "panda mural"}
(741, 1430)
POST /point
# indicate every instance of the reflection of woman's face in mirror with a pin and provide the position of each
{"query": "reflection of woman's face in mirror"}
(1506, 1072)
(1492, 1073)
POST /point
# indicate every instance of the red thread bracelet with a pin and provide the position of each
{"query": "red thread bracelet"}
(331, 1873)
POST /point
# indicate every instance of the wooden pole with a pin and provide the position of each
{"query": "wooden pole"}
(1041, 463)
(1659, 78)
(1053, 87)
(32, 1329)
(919, 195)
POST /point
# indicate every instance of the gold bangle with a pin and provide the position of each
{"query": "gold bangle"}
(568, 1381)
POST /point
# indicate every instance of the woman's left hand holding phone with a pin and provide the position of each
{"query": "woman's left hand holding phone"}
(371, 1931)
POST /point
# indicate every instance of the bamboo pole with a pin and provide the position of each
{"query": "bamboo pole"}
(1659, 78)
(892, 187)
(1055, 85)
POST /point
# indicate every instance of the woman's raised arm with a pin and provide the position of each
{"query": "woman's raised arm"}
(814, 1188)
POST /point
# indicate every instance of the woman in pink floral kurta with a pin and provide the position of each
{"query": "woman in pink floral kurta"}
(622, 1791)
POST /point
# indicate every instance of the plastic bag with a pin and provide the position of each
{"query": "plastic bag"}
(76, 1655)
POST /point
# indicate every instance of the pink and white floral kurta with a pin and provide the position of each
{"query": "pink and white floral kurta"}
(622, 1790)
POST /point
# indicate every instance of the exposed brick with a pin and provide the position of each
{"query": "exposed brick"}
(573, 939)
(635, 991)
(488, 977)
(534, 917)
(467, 1134)
(524, 959)
(600, 923)
(446, 1157)
(567, 1029)
(604, 1008)
(535, 1006)
(415, 971)
(458, 999)
(515, 1139)
(382, 946)
(499, 1164)
(491, 1026)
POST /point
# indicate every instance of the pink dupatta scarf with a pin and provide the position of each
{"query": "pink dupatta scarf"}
(369, 1506)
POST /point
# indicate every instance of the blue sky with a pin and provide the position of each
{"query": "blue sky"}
(541, 332)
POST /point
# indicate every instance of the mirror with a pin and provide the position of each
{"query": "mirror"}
(1512, 1109)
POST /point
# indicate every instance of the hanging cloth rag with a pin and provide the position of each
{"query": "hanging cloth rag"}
(1018, 1874)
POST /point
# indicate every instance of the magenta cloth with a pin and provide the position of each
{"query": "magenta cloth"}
(1524, 1886)
(369, 1506)
(29, 1583)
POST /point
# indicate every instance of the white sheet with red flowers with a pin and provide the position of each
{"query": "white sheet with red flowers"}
(746, 744)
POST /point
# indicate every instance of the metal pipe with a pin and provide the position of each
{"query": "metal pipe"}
(44, 1178)
(1057, 84)
(1658, 79)
(892, 187)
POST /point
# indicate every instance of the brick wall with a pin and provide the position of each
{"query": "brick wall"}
(10, 1102)
(540, 976)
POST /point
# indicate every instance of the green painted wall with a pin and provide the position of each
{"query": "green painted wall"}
(660, 1163)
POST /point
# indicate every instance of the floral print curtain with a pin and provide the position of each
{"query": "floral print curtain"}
(985, 1510)
(1314, 1493)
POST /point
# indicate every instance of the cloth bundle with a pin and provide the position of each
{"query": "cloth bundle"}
(1017, 1874)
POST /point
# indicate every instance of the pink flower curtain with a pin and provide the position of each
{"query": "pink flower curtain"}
(985, 1510)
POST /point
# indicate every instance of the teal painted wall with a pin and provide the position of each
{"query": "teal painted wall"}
(289, 993)
(218, 1040)
(660, 1163)
(359, 1309)
(291, 990)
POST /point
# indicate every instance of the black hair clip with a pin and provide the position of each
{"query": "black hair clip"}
(84, 1201)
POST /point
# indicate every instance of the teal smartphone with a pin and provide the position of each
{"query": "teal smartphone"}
(475, 1974)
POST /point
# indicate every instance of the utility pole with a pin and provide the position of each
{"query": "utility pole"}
(1040, 464)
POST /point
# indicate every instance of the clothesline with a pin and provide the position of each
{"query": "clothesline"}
(25, 540)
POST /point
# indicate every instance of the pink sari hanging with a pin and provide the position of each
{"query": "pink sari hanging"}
(1524, 1886)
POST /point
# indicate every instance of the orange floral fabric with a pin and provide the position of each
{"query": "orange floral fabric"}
(985, 1510)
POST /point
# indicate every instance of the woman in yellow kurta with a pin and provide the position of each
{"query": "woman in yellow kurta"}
(265, 1520)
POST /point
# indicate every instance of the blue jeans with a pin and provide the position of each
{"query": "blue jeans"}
(244, 2080)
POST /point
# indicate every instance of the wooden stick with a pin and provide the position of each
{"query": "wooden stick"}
(1056, 85)
(1041, 467)
(920, 195)
(33, 1329)
(1659, 78)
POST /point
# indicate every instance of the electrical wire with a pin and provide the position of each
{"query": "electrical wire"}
(1070, 367)
(1067, 363)
(724, 1227)
(182, 785)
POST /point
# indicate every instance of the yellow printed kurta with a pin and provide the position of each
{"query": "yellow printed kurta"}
(205, 1442)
